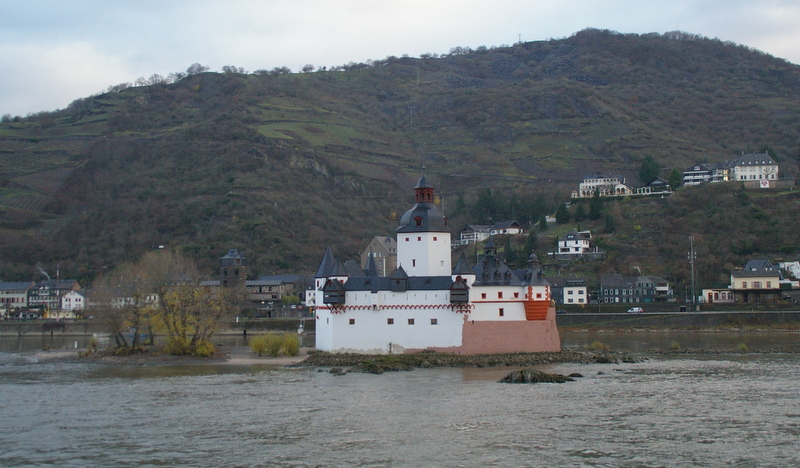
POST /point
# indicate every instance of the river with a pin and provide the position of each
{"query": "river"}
(711, 410)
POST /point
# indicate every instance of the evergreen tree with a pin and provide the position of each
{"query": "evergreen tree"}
(511, 254)
(543, 222)
(649, 169)
(562, 214)
(611, 224)
(531, 244)
(580, 213)
(675, 179)
(596, 206)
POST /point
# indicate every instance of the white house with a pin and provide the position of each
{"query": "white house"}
(425, 304)
(73, 301)
(751, 167)
(575, 243)
(604, 185)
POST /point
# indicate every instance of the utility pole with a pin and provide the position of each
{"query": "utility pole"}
(692, 255)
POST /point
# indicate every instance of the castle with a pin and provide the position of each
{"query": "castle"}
(426, 304)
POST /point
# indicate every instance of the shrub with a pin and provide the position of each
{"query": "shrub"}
(203, 349)
(675, 345)
(291, 344)
(598, 346)
(178, 346)
(274, 344)
(258, 344)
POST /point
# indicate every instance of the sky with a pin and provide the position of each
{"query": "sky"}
(55, 51)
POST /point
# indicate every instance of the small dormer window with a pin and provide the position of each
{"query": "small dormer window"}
(418, 221)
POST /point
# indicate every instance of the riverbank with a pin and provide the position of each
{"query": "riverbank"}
(596, 353)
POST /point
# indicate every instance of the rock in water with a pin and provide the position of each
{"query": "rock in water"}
(534, 376)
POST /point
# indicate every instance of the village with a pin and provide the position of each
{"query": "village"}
(759, 281)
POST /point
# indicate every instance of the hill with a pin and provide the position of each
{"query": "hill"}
(282, 165)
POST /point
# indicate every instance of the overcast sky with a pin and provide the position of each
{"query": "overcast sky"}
(55, 51)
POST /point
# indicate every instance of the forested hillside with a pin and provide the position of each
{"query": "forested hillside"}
(282, 165)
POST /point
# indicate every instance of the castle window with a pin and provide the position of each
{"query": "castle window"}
(500, 295)
(418, 221)
(389, 321)
(434, 321)
(516, 295)
(413, 262)
(352, 321)
(483, 295)
(538, 295)
(411, 321)
(419, 238)
(501, 312)
(434, 238)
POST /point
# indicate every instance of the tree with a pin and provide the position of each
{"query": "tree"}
(675, 179)
(531, 244)
(543, 222)
(125, 302)
(562, 214)
(163, 288)
(596, 206)
(232, 70)
(196, 68)
(580, 213)
(611, 224)
(649, 169)
(307, 68)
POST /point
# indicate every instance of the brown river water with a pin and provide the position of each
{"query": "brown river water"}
(677, 410)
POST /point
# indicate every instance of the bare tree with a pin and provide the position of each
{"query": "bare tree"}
(196, 68)
(232, 70)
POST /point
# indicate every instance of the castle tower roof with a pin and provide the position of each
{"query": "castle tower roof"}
(424, 216)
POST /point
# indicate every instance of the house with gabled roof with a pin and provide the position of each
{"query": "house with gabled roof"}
(754, 167)
(758, 281)
(568, 290)
(14, 295)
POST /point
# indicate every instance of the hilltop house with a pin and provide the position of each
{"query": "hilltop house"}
(706, 172)
(758, 166)
(606, 186)
(425, 304)
(753, 167)
(575, 244)
(474, 233)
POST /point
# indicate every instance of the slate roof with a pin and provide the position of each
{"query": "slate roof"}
(415, 283)
(423, 216)
(753, 159)
(757, 268)
(462, 266)
(16, 285)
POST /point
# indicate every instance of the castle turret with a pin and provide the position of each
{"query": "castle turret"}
(423, 237)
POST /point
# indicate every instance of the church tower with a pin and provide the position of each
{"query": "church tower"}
(423, 237)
